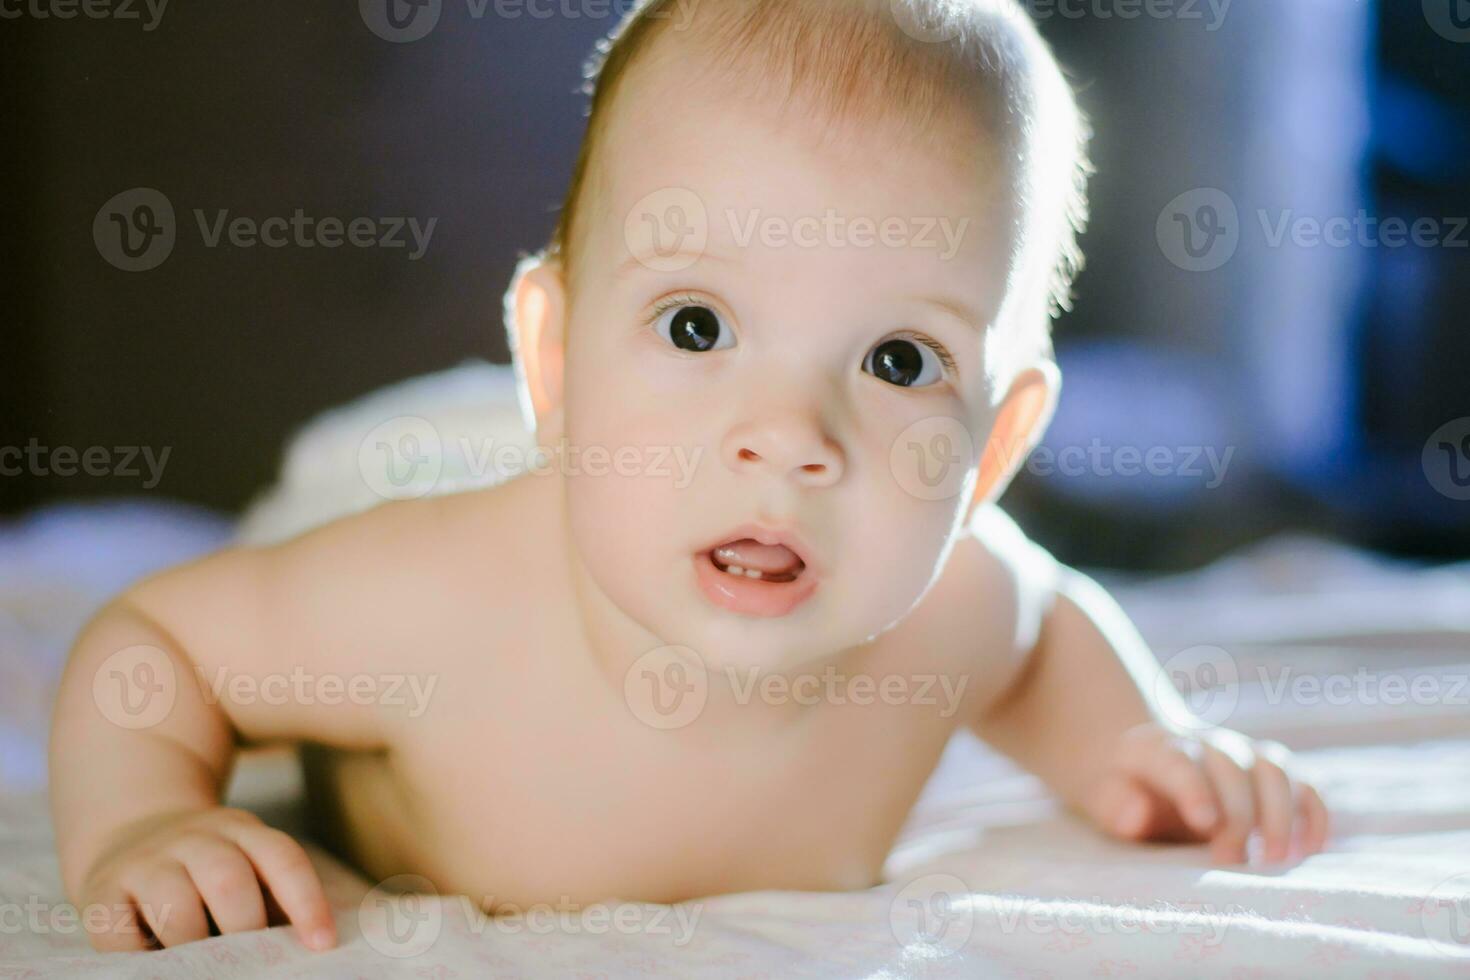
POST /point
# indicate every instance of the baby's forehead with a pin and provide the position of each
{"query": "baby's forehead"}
(757, 170)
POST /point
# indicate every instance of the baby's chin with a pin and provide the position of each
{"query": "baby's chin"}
(730, 643)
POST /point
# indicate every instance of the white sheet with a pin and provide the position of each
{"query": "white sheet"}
(1029, 894)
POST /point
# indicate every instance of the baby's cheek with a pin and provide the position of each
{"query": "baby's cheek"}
(894, 553)
(933, 461)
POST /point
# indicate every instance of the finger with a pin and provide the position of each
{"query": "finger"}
(1237, 801)
(1275, 805)
(1122, 808)
(1315, 819)
(119, 930)
(286, 869)
(226, 881)
(1172, 768)
(170, 905)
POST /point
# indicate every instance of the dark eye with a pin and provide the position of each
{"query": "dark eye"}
(904, 363)
(694, 328)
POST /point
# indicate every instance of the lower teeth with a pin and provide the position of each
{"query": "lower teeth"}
(759, 576)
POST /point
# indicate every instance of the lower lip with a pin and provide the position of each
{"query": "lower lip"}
(750, 596)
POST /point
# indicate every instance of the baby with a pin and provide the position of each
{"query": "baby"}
(814, 246)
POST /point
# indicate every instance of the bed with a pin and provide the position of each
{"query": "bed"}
(1358, 663)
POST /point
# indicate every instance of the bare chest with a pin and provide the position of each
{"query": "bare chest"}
(529, 803)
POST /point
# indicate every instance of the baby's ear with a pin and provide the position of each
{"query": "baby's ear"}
(535, 320)
(1020, 422)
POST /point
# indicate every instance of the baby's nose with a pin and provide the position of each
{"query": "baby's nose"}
(789, 447)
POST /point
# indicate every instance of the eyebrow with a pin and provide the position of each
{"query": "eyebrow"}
(633, 262)
(954, 308)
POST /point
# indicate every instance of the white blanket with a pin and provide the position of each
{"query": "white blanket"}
(987, 882)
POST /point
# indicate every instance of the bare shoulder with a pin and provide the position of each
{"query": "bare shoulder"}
(405, 587)
(507, 532)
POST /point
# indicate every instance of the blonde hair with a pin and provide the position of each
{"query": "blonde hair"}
(914, 61)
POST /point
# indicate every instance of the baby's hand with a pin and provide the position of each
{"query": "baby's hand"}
(1215, 785)
(165, 872)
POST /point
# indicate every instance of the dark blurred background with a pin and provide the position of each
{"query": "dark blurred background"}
(1278, 382)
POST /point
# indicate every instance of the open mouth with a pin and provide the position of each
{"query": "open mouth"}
(748, 558)
(755, 572)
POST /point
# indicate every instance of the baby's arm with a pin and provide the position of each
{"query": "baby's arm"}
(1088, 713)
(137, 772)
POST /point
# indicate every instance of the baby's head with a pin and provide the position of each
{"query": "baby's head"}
(812, 247)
